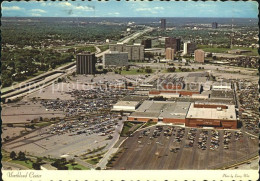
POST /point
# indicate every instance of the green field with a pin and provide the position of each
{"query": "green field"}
(134, 72)
(27, 163)
(103, 47)
(129, 126)
(76, 167)
(207, 48)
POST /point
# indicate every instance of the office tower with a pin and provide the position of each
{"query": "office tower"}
(85, 63)
(163, 24)
(199, 56)
(174, 43)
(135, 52)
(115, 59)
(169, 54)
(214, 25)
(189, 47)
(147, 43)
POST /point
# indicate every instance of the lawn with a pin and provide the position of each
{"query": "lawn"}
(149, 123)
(103, 47)
(27, 163)
(129, 126)
(224, 50)
(134, 72)
(94, 160)
(77, 166)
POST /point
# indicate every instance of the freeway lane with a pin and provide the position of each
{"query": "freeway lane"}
(32, 85)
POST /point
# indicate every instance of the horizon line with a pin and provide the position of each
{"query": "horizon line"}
(116, 17)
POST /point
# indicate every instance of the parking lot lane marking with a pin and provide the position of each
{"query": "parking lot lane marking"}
(179, 154)
(206, 157)
(140, 155)
(194, 150)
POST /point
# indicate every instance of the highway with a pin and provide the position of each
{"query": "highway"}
(46, 79)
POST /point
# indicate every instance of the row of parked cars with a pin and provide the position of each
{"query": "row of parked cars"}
(202, 143)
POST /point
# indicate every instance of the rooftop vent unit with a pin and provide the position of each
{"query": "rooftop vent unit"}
(219, 109)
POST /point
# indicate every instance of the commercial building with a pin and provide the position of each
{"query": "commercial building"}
(199, 56)
(174, 43)
(163, 24)
(214, 25)
(115, 59)
(211, 115)
(135, 52)
(85, 63)
(222, 86)
(169, 54)
(165, 111)
(147, 43)
(127, 106)
(189, 47)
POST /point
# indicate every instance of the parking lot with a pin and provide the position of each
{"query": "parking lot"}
(69, 138)
(168, 147)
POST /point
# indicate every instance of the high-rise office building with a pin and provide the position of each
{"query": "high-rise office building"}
(147, 43)
(214, 25)
(174, 43)
(85, 63)
(115, 59)
(189, 47)
(169, 54)
(199, 56)
(135, 52)
(163, 24)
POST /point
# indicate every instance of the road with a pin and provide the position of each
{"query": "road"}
(135, 35)
(13, 166)
(103, 162)
(48, 78)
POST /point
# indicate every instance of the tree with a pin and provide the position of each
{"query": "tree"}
(171, 69)
(148, 70)
(21, 156)
(36, 166)
(13, 155)
(100, 67)
(148, 55)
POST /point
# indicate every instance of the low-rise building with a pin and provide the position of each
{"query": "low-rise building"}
(211, 115)
(127, 106)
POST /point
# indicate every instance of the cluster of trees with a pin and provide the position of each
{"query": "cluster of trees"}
(60, 164)
(147, 70)
(45, 31)
(19, 64)
(171, 69)
(21, 156)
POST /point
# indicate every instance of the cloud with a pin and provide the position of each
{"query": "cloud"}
(65, 4)
(152, 10)
(114, 13)
(12, 8)
(84, 8)
(36, 14)
(38, 10)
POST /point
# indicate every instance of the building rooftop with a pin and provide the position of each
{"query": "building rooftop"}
(134, 98)
(127, 103)
(198, 74)
(196, 79)
(164, 109)
(222, 94)
(212, 113)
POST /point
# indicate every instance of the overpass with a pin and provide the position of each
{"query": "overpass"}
(49, 77)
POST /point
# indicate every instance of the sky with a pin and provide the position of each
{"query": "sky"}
(112, 8)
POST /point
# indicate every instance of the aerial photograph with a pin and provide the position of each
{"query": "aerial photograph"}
(129, 85)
